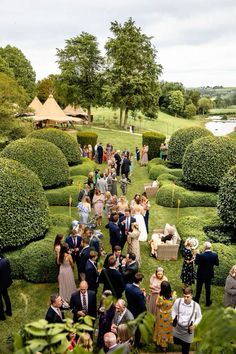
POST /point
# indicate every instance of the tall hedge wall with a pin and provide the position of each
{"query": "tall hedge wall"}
(181, 139)
(85, 138)
(207, 159)
(64, 141)
(24, 212)
(42, 157)
(154, 141)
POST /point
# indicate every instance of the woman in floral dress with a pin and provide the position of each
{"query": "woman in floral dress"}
(187, 273)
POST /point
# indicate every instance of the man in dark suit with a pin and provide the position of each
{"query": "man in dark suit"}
(91, 271)
(83, 257)
(205, 272)
(74, 242)
(118, 256)
(83, 302)
(5, 283)
(118, 162)
(112, 279)
(125, 167)
(129, 268)
(136, 299)
(114, 231)
(100, 153)
(125, 224)
(54, 314)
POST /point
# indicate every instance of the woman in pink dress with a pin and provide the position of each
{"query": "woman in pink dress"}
(155, 288)
(98, 205)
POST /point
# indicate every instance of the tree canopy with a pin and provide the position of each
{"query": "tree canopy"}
(132, 72)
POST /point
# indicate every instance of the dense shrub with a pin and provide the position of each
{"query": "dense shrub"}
(38, 262)
(169, 194)
(154, 141)
(63, 141)
(158, 170)
(86, 167)
(227, 198)
(207, 159)
(16, 264)
(85, 138)
(3, 142)
(18, 132)
(167, 177)
(192, 226)
(227, 258)
(181, 139)
(156, 161)
(42, 157)
(24, 213)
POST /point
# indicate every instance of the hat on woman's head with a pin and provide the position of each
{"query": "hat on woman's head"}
(160, 269)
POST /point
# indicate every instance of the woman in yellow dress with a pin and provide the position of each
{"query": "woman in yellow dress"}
(163, 327)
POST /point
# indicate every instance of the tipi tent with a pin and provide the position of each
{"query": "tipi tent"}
(51, 111)
(36, 105)
(75, 112)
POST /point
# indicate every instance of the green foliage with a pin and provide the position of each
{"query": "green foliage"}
(227, 257)
(232, 135)
(22, 68)
(181, 139)
(192, 226)
(216, 332)
(18, 132)
(190, 110)
(169, 194)
(85, 138)
(158, 170)
(131, 83)
(81, 63)
(166, 89)
(227, 198)
(50, 86)
(65, 142)
(154, 141)
(38, 262)
(24, 207)
(15, 262)
(86, 167)
(176, 102)
(154, 162)
(5, 68)
(42, 157)
(207, 159)
(204, 105)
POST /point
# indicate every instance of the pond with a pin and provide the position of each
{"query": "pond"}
(221, 127)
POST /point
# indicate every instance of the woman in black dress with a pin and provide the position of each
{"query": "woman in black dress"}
(187, 273)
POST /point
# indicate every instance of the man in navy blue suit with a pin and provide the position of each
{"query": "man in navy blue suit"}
(114, 231)
(205, 272)
(5, 283)
(83, 302)
(54, 314)
(74, 242)
(91, 271)
(112, 279)
(83, 257)
(125, 224)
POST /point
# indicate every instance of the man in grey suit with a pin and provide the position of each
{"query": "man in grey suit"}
(110, 342)
(121, 316)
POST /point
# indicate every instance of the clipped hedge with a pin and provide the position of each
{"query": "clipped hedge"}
(16, 264)
(64, 141)
(207, 159)
(42, 157)
(38, 262)
(227, 198)
(227, 258)
(158, 170)
(85, 138)
(24, 212)
(86, 167)
(154, 162)
(154, 141)
(169, 194)
(181, 139)
(192, 226)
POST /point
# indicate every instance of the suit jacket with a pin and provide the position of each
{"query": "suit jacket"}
(125, 165)
(136, 299)
(206, 262)
(112, 280)
(129, 272)
(128, 316)
(5, 274)
(53, 317)
(83, 257)
(76, 305)
(70, 242)
(100, 150)
(115, 234)
(120, 258)
(91, 275)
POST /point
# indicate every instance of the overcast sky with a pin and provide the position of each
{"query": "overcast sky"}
(195, 39)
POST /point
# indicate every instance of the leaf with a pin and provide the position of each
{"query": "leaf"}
(58, 338)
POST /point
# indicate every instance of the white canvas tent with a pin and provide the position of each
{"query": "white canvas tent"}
(75, 112)
(36, 105)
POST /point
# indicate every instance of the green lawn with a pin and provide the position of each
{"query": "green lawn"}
(30, 301)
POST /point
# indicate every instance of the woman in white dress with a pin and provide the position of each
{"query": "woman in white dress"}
(138, 213)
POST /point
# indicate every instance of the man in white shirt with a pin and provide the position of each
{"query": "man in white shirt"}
(186, 315)
(54, 314)
(121, 316)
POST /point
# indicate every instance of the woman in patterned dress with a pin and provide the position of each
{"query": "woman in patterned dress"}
(154, 289)
(187, 273)
(163, 327)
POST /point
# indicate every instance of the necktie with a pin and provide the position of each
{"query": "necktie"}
(127, 224)
(59, 313)
(84, 303)
(74, 241)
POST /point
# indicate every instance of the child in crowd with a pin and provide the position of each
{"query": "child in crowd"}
(123, 184)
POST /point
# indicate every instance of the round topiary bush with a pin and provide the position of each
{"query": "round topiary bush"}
(24, 212)
(154, 141)
(227, 257)
(62, 140)
(38, 262)
(207, 159)
(227, 198)
(85, 138)
(42, 157)
(83, 169)
(181, 139)
(158, 170)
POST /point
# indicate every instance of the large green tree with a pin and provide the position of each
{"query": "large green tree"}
(176, 102)
(166, 89)
(81, 64)
(204, 105)
(21, 67)
(132, 72)
(50, 85)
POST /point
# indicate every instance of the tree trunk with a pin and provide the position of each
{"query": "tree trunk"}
(121, 116)
(89, 114)
(126, 117)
